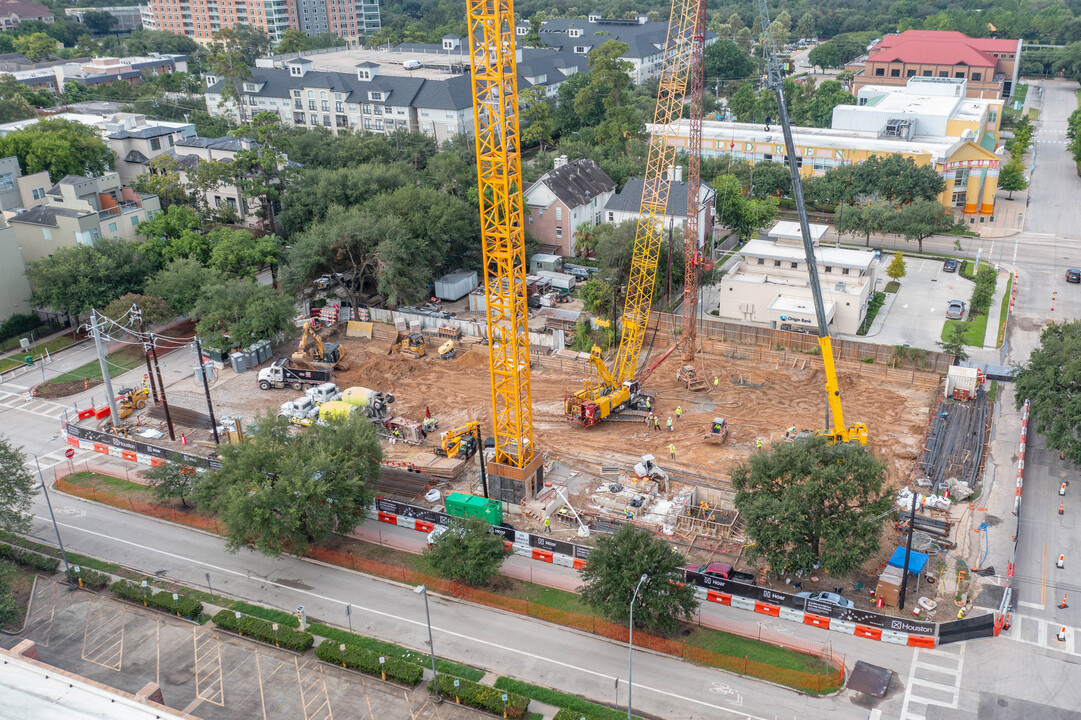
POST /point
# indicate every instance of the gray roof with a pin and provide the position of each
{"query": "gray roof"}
(134, 156)
(144, 133)
(220, 143)
(453, 93)
(629, 199)
(278, 83)
(45, 215)
(643, 39)
(578, 182)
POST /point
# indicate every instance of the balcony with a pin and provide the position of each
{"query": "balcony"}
(118, 210)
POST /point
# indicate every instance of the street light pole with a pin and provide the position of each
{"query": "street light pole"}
(630, 646)
(423, 590)
(41, 477)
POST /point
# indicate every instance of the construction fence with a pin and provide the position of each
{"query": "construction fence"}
(853, 351)
(830, 678)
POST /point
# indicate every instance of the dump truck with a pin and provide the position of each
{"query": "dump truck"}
(324, 393)
(282, 374)
(372, 403)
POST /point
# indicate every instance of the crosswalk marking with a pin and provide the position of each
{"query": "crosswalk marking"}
(947, 662)
(1024, 627)
(44, 408)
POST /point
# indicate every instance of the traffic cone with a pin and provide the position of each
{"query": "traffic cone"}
(1061, 507)
(1061, 454)
(1062, 605)
(1061, 561)
(1062, 635)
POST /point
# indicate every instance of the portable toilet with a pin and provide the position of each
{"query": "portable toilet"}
(238, 362)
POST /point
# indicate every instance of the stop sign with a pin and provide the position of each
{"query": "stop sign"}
(69, 453)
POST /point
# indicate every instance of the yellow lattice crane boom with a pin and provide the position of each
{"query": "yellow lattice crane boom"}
(499, 174)
(599, 399)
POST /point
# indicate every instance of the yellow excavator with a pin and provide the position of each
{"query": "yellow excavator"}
(129, 400)
(835, 431)
(312, 349)
(461, 442)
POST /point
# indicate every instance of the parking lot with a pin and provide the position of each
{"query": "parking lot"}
(918, 310)
(205, 672)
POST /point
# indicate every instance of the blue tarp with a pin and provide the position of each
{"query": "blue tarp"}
(916, 561)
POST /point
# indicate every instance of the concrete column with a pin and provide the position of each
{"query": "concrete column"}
(990, 188)
(972, 190)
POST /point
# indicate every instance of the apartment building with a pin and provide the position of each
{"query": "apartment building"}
(17, 191)
(128, 18)
(768, 285)
(14, 287)
(79, 210)
(625, 205)
(192, 151)
(137, 143)
(564, 198)
(91, 72)
(201, 20)
(13, 12)
(990, 65)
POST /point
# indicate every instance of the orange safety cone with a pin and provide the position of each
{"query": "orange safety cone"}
(1062, 635)
(1062, 489)
(1061, 507)
(1062, 605)
(1061, 563)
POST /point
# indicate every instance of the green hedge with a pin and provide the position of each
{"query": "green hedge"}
(481, 696)
(279, 616)
(384, 648)
(184, 605)
(365, 661)
(29, 559)
(91, 578)
(263, 631)
(576, 706)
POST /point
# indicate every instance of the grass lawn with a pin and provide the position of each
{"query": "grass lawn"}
(1005, 308)
(558, 699)
(16, 360)
(992, 394)
(19, 583)
(892, 286)
(119, 362)
(738, 646)
(975, 330)
(112, 485)
(1034, 113)
(1020, 92)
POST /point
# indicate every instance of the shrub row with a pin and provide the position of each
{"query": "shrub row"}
(29, 559)
(482, 696)
(91, 578)
(184, 605)
(384, 648)
(573, 706)
(279, 616)
(366, 661)
(263, 631)
(568, 714)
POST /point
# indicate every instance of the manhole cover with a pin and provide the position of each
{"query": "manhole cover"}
(1003, 703)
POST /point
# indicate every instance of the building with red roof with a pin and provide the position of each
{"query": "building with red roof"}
(989, 65)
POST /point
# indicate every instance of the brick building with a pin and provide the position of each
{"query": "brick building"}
(562, 199)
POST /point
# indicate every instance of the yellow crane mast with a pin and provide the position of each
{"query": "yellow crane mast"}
(499, 173)
(611, 393)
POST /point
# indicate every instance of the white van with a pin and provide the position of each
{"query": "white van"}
(411, 64)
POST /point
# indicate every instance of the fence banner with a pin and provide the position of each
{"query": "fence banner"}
(137, 446)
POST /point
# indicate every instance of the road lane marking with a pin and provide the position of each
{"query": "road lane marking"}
(1043, 577)
(418, 623)
(1034, 606)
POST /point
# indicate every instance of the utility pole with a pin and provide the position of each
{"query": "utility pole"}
(146, 355)
(908, 551)
(161, 385)
(96, 332)
(206, 389)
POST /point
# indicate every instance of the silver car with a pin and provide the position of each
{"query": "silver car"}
(955, 310)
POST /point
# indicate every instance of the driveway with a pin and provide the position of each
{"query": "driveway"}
(918, 312)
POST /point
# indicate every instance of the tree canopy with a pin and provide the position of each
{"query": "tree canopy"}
(468, 552)
(239, 311)
(613, 570)
(181, 282)
(76, 278)
(808, 503)
(17, 489)
(60, 147)
(1049, 380)
(279, 492)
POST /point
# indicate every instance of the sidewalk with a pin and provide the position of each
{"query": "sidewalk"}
(990, 337)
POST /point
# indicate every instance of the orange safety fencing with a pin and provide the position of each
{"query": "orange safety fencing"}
(801, 680)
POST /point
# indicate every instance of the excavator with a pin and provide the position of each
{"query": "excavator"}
(312, 349)
(129, 400)
(461, 442)
(835, 431)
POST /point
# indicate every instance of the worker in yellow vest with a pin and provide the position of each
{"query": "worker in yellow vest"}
(672, 450)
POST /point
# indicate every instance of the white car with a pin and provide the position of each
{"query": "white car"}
(326, 281)
(827, 597)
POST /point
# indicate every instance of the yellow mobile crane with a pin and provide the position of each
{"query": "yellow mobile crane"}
(836, 430)
(499, 176)
(612, 391)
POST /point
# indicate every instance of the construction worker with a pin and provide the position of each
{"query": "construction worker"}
(656, 423)
(679, 411)
(758, 445)
(672, 450)
(715, 382)
(649, 404)
(548, 524)
(669, 423)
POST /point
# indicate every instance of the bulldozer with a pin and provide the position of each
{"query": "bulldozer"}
(718, 431)
(311, 349)
(688, 375)
(129, 400)
(413, 345)
(461, 442)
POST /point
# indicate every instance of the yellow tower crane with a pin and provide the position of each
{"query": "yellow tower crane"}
(499, 174)
(612, 392)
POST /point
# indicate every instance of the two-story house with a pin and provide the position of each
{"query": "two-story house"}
(626, 204)
(564, 198)
(769, 283)
(17, 191)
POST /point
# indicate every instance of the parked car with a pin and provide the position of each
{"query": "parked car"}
(1073, 275)
(720, 570)
(949, 266)
(327, 280)
(955, 310)
(827, 597)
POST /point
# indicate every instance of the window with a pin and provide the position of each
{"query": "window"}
(46, 234)
(761, 261)
(992, 116)
(895, 72)
(339, 96)
(134, 220)
(795, 265)
(112, 227)
(314, 119)
(776, 263)
(340, 107)
(977, 76)
(559, 213)
(155, 144)
(879, 72)
(844, 271)
(298, 118)
(367, 124)
(296, 93)
(559, 231)
(38, 195)
(311, 104)
(326, 106)
(828, 268)
(7, 183)
(311, 93)
(611, 216)
(231, 202)
(326, 121)
(322, 94)
(927, 73)
(378, 124)
(910, 73)
(958, 74)
(531, 219)
(217, 201)
(367, 109)
(943, 73)
(378, 109)
(170, 140)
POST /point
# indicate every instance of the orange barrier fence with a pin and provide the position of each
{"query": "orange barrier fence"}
(808, 681)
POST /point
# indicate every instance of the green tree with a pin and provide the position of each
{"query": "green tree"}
(596, 296)
(954, 344)
(809, 502)
(260, 169)
(155, 311)
(307, 200)
(76, 278)
(1012, 177)
(538, 125)
(805, 28)
(235, 251)
(897, 178)
(292, 41)
(742, 103)
(9, 608)
(279, 492)
(163, 179)
(745, 215)
(36, 46)
(613, 571)
(99, 22)
(60, 147)
(983, 290)
(870, 216)
(896, 268)
(447, 227)
(922, 219)
(1049, 381)
(232, 56)
(17, 489)
(181, 282)
(15, 100)
(609, 80)
(239, 311)
(173, 480)
(725, 61)
(771, 179)
(744, 39)
(468, 552)
(585, 239)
